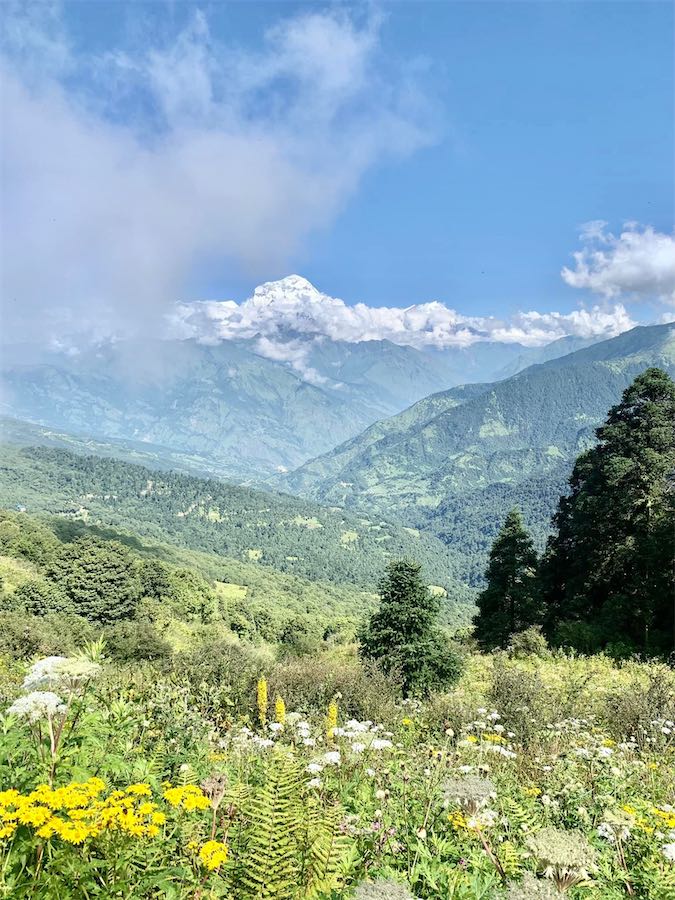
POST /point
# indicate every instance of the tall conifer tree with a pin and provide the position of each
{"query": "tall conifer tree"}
(610, 564)
(508, 603)
(403, 635)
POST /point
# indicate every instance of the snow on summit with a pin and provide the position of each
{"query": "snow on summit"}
(293, 308)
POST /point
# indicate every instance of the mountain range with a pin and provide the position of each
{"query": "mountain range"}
(455, 462)
(238, 402)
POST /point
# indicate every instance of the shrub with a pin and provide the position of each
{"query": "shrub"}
(38, 597)
(23, 636)
(310, 683)
(647, 697)
(520, 696)
(530, 642)
(128, 641)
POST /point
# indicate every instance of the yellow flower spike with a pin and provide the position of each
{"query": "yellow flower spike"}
(261, 698)
(280, 710)
(331, 719)
(213, 854)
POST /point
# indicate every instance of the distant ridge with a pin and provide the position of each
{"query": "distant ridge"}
(456, 461)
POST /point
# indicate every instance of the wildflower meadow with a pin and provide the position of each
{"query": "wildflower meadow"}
(531, 778)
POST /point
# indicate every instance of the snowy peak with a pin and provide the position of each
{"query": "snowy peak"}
(293, 287)
(293, 307)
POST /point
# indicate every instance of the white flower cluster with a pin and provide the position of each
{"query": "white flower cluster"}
(364, 736)
(53, 673)
(37, 705)
(60, 673)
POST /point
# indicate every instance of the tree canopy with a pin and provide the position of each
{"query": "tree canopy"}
(608, 573)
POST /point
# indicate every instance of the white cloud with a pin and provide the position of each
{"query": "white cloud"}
(283, 315)
(236, 158)
(637, 264)
(294, 352)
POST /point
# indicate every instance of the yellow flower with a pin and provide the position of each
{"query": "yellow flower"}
(331, 719)
(280, 710)
(472, 739)
(261, 697)
(140, 789)
(407, 722)
(213, 854)
(34, 815)
(457, 820)
(189, 797)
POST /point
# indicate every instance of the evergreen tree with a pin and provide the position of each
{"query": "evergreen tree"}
(608, 573)
(508, 604)
(403, 635)
(99, 577)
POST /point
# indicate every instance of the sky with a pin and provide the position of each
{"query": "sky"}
(504, 160)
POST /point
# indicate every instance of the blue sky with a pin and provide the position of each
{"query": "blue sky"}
(392, 154)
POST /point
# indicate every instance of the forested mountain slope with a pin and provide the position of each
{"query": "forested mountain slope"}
(197, 588)
(292, 535)
(225, 407)
(457, 461)
(246, 391)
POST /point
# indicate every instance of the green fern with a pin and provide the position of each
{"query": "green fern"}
(271, 866)
(327, 850)
(522, 819)
(292, 847)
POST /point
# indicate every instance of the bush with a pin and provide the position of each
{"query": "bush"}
(23, 636)
(309, 684)
(222, 674)
(128, 641)
(299, 637)
(530, 642)
(38, 597)
(521, 697)
(631, 708)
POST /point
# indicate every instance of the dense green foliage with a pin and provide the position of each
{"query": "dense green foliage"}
(509, 602)
(457, 462)
(64, 578)
(403, 636)
(288, 534)
(609, 570)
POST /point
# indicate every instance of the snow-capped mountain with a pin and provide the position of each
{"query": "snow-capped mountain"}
(250, 388)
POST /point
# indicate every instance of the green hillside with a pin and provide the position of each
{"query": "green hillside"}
(457, 461)
(247, 598)
(226, 408)
(291, 535)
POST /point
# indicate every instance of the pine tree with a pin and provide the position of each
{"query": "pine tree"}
(608, 572)
(508, 604)
(403, 635)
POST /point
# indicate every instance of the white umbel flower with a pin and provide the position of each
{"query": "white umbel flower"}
(37, 705)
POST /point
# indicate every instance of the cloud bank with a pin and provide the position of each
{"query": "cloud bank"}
(638, 264)
(282, 315)
(124, 173)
